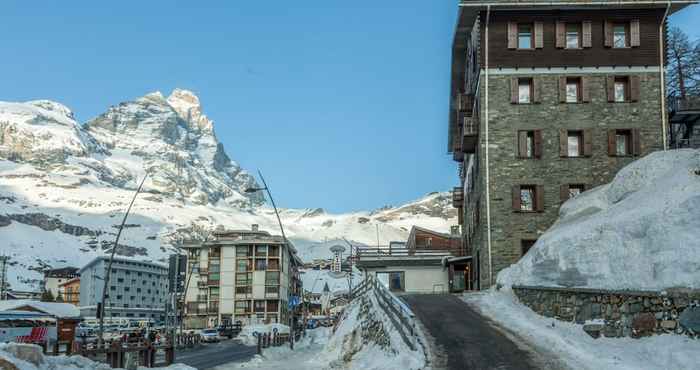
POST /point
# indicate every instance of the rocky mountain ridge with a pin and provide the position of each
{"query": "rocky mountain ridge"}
(64, 187)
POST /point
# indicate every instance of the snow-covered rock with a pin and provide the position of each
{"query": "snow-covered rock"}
(639, 232)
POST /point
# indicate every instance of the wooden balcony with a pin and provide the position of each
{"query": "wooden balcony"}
(457, 153)
(465, 103)
(457, 197)
(470, 133)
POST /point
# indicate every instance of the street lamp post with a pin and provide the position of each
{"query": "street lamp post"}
(101, 306)
(284, 238)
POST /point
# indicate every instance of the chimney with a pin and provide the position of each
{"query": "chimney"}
(255, 227)
(454, 230)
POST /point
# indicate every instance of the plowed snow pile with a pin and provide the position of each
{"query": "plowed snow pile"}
(639, 232)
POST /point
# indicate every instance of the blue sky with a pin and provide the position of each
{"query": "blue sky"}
(342, 105)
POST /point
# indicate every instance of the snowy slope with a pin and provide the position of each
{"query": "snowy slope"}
(640, 232)
(62, 200)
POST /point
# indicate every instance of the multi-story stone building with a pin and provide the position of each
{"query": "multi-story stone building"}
(137, 289)
(548, 99)
(241, 275)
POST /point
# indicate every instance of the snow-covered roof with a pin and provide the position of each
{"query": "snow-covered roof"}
(60, 310)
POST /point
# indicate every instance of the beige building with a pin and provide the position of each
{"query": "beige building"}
(240, 275)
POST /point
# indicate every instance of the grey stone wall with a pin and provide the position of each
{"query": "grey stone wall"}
(623, 313)
(509, 227)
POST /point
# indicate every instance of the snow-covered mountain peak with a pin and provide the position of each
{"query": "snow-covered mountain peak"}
(188, 107)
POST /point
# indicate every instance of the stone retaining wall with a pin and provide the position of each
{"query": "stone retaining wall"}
(617, 313)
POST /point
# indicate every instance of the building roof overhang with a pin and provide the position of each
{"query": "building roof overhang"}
(387, 261)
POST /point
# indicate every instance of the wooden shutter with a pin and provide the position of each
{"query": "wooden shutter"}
(521, 144)
(539, 35)
(610, 87)
(538, 144)
(634, 33)
(585, 89)
(560, 40)
(586, 40)
(539, 198)
(608, 33)
(634, 88)
(562, 89)
(636, 142)
(514, 90)
(611, 142)
(563, 143)
(564, 192)
(512, 35)
(536, 90)
(587, 142)
(516, 197)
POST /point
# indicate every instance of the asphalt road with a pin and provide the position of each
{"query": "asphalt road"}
(214, 354)
(462, 339)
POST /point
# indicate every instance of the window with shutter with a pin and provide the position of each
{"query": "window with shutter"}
(586, 41)
(514, 90)
(562, 89)
(560, 34)
(585, 89)
(587, 142)
(538, 143)
(528, 144)
(525, 31)
(512, 35)
(573, 35)
(610, 88)
(539, 198)
(634, 88)
(563, 143)
(573, 90)
(620, 35)
(516, 198)
(634, 33)
(539, 35)
(608, 34)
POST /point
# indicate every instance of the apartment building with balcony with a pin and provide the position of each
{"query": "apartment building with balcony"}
(548, 99)
(240, 275)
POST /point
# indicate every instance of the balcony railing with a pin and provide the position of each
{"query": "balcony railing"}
(378, 253)
(681, 105)
(470, 133)
(457, 197)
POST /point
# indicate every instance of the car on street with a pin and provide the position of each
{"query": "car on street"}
(210, 335)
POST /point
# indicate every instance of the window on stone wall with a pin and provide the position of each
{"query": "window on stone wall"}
(575, 143)
(525, 87)
(623, 142)
(621, 89)
(573, 90)
(525, 245)
(527, 198)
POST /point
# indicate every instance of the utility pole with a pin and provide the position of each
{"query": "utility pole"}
(101, 305)
(3, 277)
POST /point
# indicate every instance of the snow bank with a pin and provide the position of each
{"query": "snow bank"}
(639, 232)
(567, 342)
(29, 357)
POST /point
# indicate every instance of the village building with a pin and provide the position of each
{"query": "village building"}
(548, 100)
(69, 291)
(249, 276)
(53, 278)
(420, 265)
(137, 289)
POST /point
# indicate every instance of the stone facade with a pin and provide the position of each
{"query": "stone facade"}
(510, 227)
(617, 313)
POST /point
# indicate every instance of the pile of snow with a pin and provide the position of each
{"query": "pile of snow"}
(30, 357)
(367, 339)
(567, 342)
(304, 356)
(639, 232)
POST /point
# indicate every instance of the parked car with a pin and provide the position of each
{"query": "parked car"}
(210, 335)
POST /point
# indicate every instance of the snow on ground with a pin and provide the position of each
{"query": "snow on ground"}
(579, 351)
(23, 357)
(247, 334)
(639, 232)
(364, 340)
